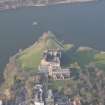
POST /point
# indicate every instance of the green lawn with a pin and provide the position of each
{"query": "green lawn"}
(30, 58)
(99, 60)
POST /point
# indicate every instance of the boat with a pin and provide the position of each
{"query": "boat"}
(34, 23)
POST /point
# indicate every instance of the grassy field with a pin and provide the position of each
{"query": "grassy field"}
(100, 60)
(30, 58)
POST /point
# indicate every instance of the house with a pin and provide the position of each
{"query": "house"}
(61, 74)
(51, 64)
(50, 98)
(38, 95)
(51, 56)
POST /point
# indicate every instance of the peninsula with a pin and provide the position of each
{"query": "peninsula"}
(51, 72)
(13, 4)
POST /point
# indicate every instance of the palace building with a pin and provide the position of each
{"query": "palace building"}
(51, 64)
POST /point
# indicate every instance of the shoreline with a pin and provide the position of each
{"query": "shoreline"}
(13, 7)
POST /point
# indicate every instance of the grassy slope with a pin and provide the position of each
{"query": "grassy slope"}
(87, 56)
(30, 58)
(100, 60)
